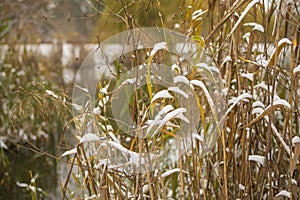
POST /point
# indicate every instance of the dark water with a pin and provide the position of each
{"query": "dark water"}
(21, 161)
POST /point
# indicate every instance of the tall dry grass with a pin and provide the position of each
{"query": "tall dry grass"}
(255, 47)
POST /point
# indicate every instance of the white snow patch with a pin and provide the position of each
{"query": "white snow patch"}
(172, 171)
(113, 137)
(178, 91)
(258, 104)
(203, 87)
(96, 111)
(157, 120)
(130, 81)
(176, 26)
(248, 76)
(282, 102)
(281, 42)
(182, 117)
(263, 86)
(89, 137)
(198, 137)
(51, 93)
(157, 47)
(296, 69)
(259, 28)
(171, 115)
(2, 144)
(207, 67)
(226, 59)
(235, 100)
(257, 110)
(246, 36)
(295, 140)
(249, 6)
(261, 60)
(241, 187)
(278, 135)
(70, 152)
(181, 79)
(256, 26)
(161, 94)
(284, 41)
(257, 158)
(175, 67)
(284, 193)
(197, 14)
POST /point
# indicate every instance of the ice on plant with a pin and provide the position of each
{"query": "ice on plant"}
(161, 94)
(157, 47)
(257, 158)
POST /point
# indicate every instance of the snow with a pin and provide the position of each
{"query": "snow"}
(259, 28)
(182, 117)
(176, 26)
(172, 171)
(198, 137)
(96, 111)
(170, 124)
(70, 152)
(295, 140)
(197, 14)
(257, 158)
(175, 67)
(173, 114)
(248, 76)
(282, 102)
(89, 137)
(207, 67)
(263, 86)
(181, 79)
(157, 120)
(249, 6)
(161, 94)
(278, 135)
(258, 104)
(130, 81)
(178, 91)
(256, 26)
(294, 182)
(276, 102)
(81, 88)
(261, 60)
(2, 144)
(226, 59)
(257, 110)
(157, 47)
(113, 137)
(246, 36)
(243, 96)
(167, 109)
(120, 147)
(284, 41)
(153, 122)
(284, 193)
(203, 87)
(296, 70)
(51, 93)
(22, 185)
(241, 187)
(280, 43)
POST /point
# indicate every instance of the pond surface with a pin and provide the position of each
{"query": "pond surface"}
(21, 161)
